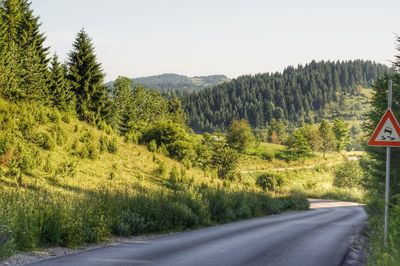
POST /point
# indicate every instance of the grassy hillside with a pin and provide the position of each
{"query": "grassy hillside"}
(63, 182)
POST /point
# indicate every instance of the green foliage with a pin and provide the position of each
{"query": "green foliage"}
(342, 133)
(86, 78)
(24, 60)
(174, 137)
(326, 132)
(60, 92)
(108, 144)
(348, 175)
(44, 140)
(239, 135)
(270, 181)
(296, 95)
(298, 144)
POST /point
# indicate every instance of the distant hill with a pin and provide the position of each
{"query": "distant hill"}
(299, 94)
(170, 81)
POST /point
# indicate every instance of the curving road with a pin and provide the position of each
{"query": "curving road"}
(319, 237)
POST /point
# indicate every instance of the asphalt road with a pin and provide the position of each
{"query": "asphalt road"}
(319, 237)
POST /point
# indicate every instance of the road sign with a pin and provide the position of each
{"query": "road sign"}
(387, 133)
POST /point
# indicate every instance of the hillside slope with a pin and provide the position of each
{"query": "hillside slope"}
(64, 182)
(305, 93)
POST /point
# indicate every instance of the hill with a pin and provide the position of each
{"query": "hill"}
(65, 182)
(303, 94)
(165, 82)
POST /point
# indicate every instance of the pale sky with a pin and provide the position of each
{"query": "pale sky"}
(203, 37)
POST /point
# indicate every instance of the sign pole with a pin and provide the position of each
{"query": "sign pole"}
(387, 188)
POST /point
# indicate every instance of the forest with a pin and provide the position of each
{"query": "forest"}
(298, 94)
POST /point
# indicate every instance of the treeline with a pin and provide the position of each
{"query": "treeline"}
(140, 115)
(297, 95)
(27, 73)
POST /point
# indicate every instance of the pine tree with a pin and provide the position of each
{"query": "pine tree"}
(86, 77)
(25, 55)
(60, 92)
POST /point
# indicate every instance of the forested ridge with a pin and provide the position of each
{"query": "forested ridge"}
(180, 84)
(296, 95)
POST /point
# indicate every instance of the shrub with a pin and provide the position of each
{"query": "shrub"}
(67, 169)
(108, 144)
(152, 146)
(161, 170)
(268, 155)
(348, 175)
(44, 140)
(270, 181)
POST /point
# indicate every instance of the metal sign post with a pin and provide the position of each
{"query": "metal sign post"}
(387, 188)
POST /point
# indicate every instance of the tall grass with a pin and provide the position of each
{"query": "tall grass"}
(40, 218)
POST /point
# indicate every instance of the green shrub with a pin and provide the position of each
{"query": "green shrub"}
(348, 175)
(58, 134)
(67, 168)
(108, 144)
(152, 145)
(112, 146)
(268, 155)
(270, 181)
(161, 170)
(44, 140)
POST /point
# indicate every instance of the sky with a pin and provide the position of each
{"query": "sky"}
(230, 37)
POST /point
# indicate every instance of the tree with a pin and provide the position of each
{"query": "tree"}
(298, 144)
(277, 131)
(34, 56)
(86, 77)
(342, 134)
(123, 97)
(175, 109)
(328, 137)
(23, 53)
(239, 135)
(60, 92)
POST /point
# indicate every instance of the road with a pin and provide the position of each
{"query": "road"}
(319, 237)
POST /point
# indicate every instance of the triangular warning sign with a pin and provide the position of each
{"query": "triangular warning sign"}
(387, 133)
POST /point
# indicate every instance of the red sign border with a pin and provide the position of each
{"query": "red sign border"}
(388, 115)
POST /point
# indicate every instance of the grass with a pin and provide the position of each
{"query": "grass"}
(313, 175)
(63, 182)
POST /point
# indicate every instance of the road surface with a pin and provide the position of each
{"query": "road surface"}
(319, 237)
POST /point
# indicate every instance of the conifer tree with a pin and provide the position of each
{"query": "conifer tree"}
(86, 77)
(60, 92)
(25, 55)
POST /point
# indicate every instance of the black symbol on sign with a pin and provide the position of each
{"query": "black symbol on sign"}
(387, 134)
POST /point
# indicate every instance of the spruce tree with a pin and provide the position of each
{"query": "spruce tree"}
(60, 92)
(86, 77)
(24, 53)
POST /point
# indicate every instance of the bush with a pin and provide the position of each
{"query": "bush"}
(108, 144)
(268, 155)
(161, 170)
(152, 146)
(270, 181)
(348, 175)
(44, 140)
